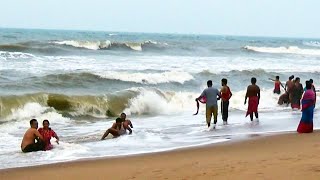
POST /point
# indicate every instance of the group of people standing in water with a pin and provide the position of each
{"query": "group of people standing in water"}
(39, 139)
(299, 98)
(211, 95)
(295, 94)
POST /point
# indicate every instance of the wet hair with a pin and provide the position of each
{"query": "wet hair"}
(46, 120)
(277, 77)
(308, 85)
(33, 120)
(291, 77)
(311, 81)
(297, 79)
(209, 83)
(253, 80)
(118, 120)
(224, 81)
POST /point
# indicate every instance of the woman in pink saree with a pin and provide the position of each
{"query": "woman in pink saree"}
(307, 105)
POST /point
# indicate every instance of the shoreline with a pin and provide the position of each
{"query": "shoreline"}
(227, 141)
(265, 156)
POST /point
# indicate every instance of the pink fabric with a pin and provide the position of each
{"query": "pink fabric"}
(47, 134)
(308, 95)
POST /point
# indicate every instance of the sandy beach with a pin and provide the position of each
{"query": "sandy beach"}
(286, 156)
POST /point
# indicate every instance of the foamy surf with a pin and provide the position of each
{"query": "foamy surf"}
(284, 50)
(148, 78)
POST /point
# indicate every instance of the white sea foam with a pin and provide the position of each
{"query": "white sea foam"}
(5, 55)
(148, 78)
(93, 45)
(155, 103)
(285, 50)
(312, 43)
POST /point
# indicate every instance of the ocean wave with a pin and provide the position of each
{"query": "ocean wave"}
(5, 55)
(104, 45)
(312, 43)
(148, 78)
(132, 101)
(32, 46)
(53, 47)
(284, 50)
(239, 73)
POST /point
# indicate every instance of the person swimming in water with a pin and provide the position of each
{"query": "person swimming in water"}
(117, 129)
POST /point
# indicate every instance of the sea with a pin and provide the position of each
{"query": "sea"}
(82, 80)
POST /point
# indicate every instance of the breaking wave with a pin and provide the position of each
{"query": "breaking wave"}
(132, 101)
(284, 50)
(312, 43)
(149, 78)
(52, 47)
(104, 45)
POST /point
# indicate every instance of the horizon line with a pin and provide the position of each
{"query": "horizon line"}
(176, 33)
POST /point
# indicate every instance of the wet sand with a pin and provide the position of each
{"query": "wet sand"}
(285, 156)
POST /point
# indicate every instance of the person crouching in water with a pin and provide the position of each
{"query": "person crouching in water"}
(225, 97)
(28, 143)
(253, 93)
(47, 133)
(125, 121)
(117, 129)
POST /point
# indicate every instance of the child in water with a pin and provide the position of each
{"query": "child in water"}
(277, 85)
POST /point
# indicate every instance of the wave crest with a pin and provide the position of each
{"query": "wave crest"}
(104, 45)
(149, 78)
(284, 50)
(132, 101)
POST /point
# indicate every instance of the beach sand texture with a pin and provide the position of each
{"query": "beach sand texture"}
(286, 156)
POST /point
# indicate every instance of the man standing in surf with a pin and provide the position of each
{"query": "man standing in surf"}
(211, 95)
(253, 93)
(225, 96)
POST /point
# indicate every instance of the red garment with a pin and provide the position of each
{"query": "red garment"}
(305, 127)
(203, 100)
(252, 105)
(277, 85)
(227, 95)
(295, 106)
(47, 134)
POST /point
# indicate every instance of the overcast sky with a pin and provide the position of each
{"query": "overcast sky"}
(289, 18)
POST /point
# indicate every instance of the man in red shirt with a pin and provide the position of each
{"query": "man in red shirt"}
(225, 97)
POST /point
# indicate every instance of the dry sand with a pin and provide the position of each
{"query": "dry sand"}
(286, 156)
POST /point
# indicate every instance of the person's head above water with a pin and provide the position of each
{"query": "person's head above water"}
(253, 80)
(118, 120)
(34, 123)
(291, 77)
(308, 85)
(224, 81)
(123, 116)
(45, 124)
(311, 81)
(209, 83)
